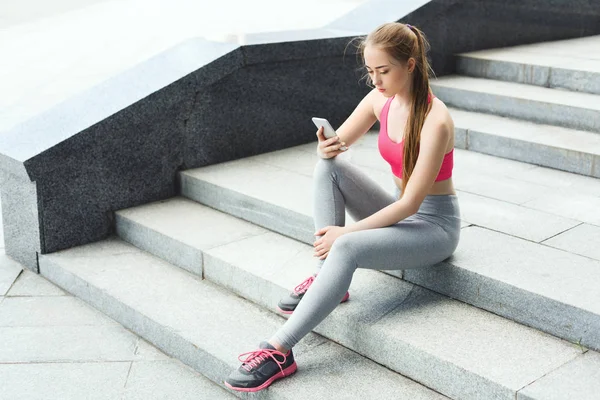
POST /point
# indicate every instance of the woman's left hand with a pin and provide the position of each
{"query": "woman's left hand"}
(329, 235)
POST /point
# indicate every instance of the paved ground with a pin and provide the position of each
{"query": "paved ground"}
(56, 347)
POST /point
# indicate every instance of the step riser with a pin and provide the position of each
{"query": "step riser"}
(161, 246)
(533, 153)
(544, 113)
(558, 319)
(276, 219)
(163, 338)
(580, 320)
(538, 75)
(418, 365)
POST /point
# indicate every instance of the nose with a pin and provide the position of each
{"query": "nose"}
(376, 79)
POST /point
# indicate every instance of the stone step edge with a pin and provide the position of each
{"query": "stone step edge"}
(144, 232)
(526, 73)
(513, 307)
(527, 149)
(528, 108)
(165, 339)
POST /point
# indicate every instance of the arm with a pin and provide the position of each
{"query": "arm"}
(359, 122)
(434, 138)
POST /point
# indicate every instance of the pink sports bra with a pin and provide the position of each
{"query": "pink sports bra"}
(392, 152)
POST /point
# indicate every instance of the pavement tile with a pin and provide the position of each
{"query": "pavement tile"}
(63, 381)
(177, 381)
(32, 284)
(9, 271)
(49, 311)
(576, 380)
(582, 240)
(70, 343)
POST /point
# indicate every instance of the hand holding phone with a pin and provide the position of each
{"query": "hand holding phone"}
(328, 138)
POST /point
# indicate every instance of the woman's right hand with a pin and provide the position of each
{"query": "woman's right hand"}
(328, 148)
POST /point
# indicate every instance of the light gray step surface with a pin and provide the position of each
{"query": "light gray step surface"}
(532, 103)
(457, 349)
(521, 65)
(546, 145)
(535, 284)
(207, 327)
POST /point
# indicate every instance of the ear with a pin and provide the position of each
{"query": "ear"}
(411, 64)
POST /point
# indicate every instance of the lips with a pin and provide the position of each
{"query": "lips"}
(381, 90)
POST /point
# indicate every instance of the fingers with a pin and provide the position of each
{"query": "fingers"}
(334, 147)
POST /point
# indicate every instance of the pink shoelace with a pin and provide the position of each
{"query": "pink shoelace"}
(256, 357)
(303, 287)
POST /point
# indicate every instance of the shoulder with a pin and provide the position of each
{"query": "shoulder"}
(377, 101)
(438, 122)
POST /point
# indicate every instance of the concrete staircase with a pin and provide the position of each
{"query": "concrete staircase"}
(537, 103)
(515, 313)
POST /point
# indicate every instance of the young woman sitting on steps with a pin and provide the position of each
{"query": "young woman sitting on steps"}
(417, 227)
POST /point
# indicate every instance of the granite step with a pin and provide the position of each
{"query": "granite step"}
(454, 348)
(534, 283)
(566, 64)
(207, 327)
(543, 105)
(539, 144)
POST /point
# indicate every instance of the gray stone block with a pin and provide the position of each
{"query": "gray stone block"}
(512, 219)
(532, 103)
(582, 240)
(20, 219)
(530, 74)
(577, 380)
(533, 284)
(9, 272)
(176, 312)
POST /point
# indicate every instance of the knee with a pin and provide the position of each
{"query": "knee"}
(344, 246)
(328, 166)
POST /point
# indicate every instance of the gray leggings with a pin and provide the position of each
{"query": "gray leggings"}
(423, 239)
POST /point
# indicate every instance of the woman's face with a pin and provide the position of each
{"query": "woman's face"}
(388, 75)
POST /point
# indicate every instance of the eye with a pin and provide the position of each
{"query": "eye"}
(384, 72)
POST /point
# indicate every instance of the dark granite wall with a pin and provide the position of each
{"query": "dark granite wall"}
(63, 180)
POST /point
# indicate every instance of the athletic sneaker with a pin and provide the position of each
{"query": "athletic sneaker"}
(288, 304)
(261, 368)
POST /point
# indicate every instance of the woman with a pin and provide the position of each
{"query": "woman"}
(418, 227)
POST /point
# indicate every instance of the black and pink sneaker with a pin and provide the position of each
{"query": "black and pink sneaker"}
(261, 368)
(288, 304)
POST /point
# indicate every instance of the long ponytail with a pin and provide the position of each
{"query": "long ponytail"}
(420, 106)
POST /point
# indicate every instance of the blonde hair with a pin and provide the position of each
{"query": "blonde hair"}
(402, 42)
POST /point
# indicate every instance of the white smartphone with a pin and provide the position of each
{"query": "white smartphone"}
(328, 130)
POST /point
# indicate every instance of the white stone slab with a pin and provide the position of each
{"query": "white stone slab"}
(63, 381)
(582, 207)
(9, 271)
(555, 274)
(178, 310)
(491, 348)
(519, 91)
(49, 311)
(583, 240)
(159, 380)
(32, 284)
(290, 190)
(292, 159)
(184, 217)
(577, 380)
(512, 219)
(375, 295)
(70, 343)
(560, 181)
